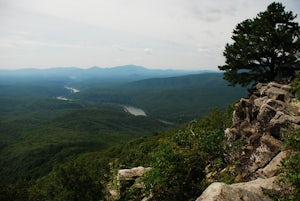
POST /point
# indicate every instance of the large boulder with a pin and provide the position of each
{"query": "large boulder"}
(247, 191)
(132, 174)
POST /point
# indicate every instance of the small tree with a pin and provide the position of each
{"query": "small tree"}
(266, 48)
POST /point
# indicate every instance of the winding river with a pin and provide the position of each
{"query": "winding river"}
(72, 90)
(135, 111)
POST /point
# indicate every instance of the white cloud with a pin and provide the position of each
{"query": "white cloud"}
(189, 34)
(148, 51)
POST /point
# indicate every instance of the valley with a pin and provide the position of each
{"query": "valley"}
(163, 133)
(46, 121)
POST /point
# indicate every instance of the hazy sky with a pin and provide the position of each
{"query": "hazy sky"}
(178, 34)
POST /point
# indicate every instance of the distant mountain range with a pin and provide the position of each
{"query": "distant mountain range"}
(74, 74)
(203, 79)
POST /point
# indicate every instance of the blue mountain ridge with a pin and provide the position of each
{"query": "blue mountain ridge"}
(74, 74)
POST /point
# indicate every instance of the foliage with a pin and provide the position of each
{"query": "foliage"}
(71, 182)
(291, 168)
(17, 191)
(38, 132)
(175, 99)
(176, 174)
(179, 163)
(296, 85)
(135, 152)
(265, 48)
(178, 158)
(33, 142)
(61, 150)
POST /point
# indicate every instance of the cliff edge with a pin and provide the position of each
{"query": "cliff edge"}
(254, 145)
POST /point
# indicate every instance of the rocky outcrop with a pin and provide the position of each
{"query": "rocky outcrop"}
(259, 123)
(254, 146)
(248, 191)
(126, 179)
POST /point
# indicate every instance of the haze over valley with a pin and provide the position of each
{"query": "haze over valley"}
(70, 111)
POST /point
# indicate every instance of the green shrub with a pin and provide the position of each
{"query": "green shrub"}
(176, 174)
(291, 165)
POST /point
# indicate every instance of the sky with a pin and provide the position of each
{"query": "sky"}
(158, 34)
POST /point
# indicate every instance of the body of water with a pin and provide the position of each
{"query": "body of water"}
(72, 90)
(61, 98)
(135, 111)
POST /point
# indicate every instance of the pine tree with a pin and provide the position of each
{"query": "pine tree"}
(266, 48)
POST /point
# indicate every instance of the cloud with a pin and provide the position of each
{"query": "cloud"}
(201, 49)
(209, 11)
(15, 42)
(96, 32)
(148, 51)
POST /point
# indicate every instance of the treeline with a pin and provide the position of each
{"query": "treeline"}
(178, 158)
(37, 134)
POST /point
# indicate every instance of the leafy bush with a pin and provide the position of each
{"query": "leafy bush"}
(176, 174)
(179, 163)
(291, 167)
(296, 85)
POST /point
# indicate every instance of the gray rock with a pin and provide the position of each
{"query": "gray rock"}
(260, 157)
(254, 145)
(273, 168)
(124, 178)
(259, 122)
(132, 174)
(247, 191)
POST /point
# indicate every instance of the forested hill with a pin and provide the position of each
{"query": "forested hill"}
(180, 98)
(186, 81)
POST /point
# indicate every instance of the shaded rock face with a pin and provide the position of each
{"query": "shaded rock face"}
(254, 145)
(248, 191)
(259, 123)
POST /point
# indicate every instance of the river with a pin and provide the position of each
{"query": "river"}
(135, 111)
(72, 90)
